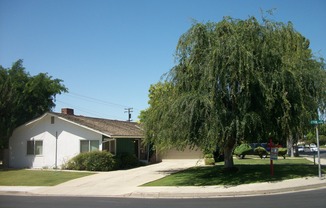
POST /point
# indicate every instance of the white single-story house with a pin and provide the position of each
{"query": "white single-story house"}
(52, 139)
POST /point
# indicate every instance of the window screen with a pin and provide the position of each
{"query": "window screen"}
(89, 145)
(30, 147)
(34, 147)
(38, 147)
(94, 145)
(84, 146)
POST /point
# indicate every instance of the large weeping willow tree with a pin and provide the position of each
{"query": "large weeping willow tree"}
(235, 80)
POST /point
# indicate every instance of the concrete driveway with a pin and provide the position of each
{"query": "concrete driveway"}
(117, 183)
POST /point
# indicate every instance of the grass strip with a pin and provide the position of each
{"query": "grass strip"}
(249, 171)
(37, 177)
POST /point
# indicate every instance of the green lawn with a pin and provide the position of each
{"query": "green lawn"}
(249, 171)
(37, 177)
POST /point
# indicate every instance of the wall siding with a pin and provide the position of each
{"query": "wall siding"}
(68, 142)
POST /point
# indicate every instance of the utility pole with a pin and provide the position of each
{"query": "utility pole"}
(129, 111)
(316, 123)
(318, 153)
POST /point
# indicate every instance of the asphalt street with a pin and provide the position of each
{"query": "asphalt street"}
(311, 154)
(311, 199)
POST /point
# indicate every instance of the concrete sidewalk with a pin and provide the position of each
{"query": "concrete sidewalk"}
(126, 183)
(115, 183)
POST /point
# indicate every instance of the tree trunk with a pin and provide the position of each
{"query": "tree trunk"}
(228, 156)
(289, 145)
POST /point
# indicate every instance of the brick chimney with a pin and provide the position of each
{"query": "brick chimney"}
(67, 111)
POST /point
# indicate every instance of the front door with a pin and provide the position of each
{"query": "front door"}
(128, 145)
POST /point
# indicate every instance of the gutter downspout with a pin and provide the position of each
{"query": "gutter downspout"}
(56, 150)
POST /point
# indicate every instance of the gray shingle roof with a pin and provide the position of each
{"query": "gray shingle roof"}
(114, 128)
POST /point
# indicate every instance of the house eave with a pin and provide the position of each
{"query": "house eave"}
(82, 126)
(35, 120)
(127, 136)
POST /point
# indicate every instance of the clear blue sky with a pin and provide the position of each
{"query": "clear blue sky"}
(109, 52)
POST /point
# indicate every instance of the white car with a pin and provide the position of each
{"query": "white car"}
(306, 148)
(300, 148)
(313, 147)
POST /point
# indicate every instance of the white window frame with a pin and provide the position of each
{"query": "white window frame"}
(114, 152)
(89, 145)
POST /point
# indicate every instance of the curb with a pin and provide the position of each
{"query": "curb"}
(226, 194)
(170, 195)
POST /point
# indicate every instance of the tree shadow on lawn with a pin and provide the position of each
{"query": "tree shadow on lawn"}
(216, 175)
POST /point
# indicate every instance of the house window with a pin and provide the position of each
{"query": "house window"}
(34, 147)
(110, 146)
(89, 145)
(30, 147)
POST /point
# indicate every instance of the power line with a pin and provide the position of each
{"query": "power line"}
(95, 113)
(95, 100)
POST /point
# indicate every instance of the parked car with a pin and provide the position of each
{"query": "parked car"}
(266, 146)
(300, 148)
(313, 147)
(307, 148)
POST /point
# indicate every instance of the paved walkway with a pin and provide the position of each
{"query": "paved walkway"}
(126, 183)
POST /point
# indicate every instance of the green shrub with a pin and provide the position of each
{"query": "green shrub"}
(243, 150)
(100, 161)
(209, 155)
(76, 163)
(209, 159)
(261, 151)
(92, 161)
(126, 161)
(282, 152)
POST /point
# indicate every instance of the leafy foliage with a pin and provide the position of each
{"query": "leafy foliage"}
(322, 129)
(236, 80)
(242, 150)
(282, 152)
(24, 97)
(261, 152)
(102, 161)
(311, 136)
(92, 161)
(209, 155)
(322, 140)
(209, 159)
(127, 161)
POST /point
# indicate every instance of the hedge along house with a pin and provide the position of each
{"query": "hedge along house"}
(52, 139)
